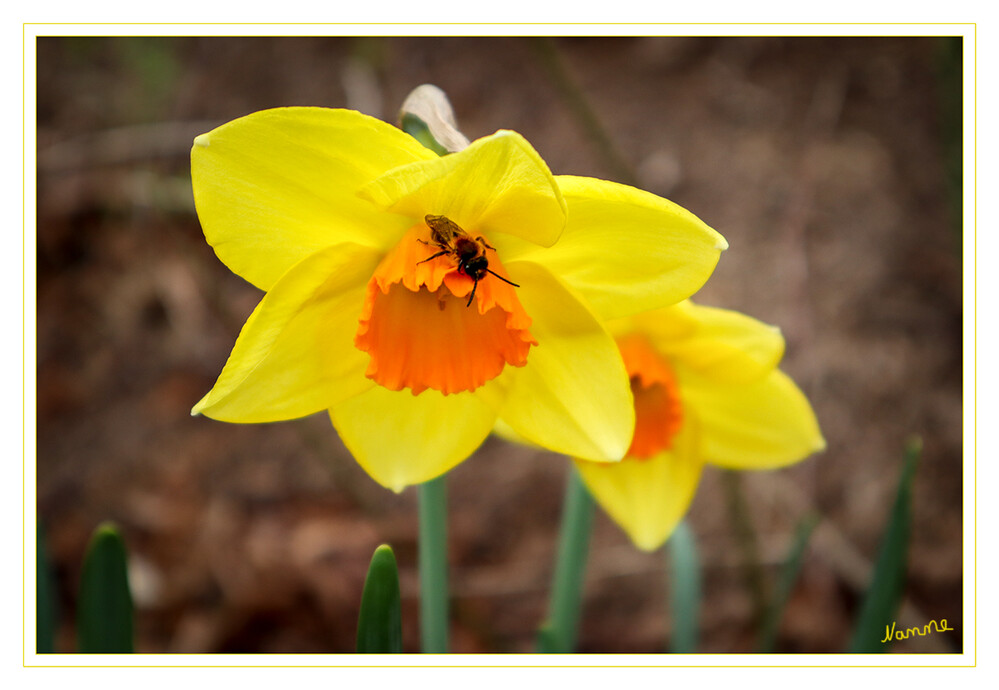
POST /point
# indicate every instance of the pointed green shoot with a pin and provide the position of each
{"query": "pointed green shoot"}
(684, 589)
(546, 643)
(884, 595)
(379, 625)
(104, 618)
(785, 584)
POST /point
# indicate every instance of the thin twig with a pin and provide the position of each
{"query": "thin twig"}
(579, 105)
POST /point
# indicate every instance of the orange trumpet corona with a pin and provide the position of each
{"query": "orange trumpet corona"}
(416, 328)
(658, 408)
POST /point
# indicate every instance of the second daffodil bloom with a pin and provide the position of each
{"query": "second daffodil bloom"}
(419, 298)
(707, 390)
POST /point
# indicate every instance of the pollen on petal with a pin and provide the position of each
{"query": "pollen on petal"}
(658, 405)
(420, 334)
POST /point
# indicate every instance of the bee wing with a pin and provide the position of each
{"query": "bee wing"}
(444, 229)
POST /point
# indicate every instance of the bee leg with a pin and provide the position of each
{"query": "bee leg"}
(442, 253)
(484, 243)
(475, 284)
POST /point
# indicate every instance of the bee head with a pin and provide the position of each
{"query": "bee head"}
(474, 267)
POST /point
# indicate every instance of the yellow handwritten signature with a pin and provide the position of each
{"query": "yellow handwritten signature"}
(930, 627)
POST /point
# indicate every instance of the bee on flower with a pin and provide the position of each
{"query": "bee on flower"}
(469, 253)
(414, 337)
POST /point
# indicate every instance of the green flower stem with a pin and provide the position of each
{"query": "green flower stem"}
(561, 631)
(684, 588)
(433, 566)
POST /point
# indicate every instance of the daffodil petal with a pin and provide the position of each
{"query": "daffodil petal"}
(295, 355)
(573, 396)
(625, 250)
(402, 439)
(761, 425)
(647, 498)
(719, 344)
(275, 186)
(498, 184)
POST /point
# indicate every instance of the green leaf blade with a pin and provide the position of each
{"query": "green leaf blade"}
(884, 595)
(45, 599)
(785, 584)
(379, 625)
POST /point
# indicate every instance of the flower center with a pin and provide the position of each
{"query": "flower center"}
(421, 328)
(658, 408)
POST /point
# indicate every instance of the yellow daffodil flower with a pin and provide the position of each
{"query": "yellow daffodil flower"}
(707, 390)
(420, 298)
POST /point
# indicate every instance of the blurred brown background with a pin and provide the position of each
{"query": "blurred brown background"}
(828, 164)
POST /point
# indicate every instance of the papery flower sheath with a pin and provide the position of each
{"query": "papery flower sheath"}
(707, 390)
(369, 312)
